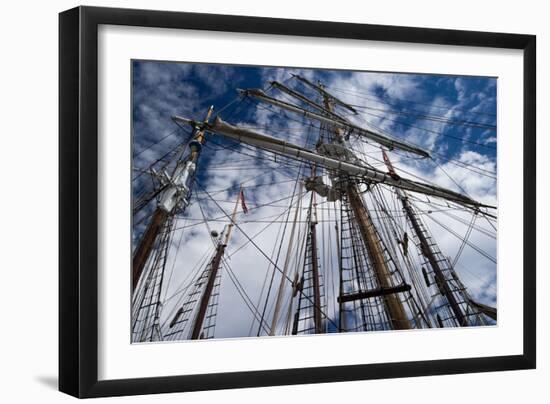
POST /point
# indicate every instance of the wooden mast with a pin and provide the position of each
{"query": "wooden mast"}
(145, 246)
(159, 218)
(396, 311)
(427, 250)
(214, 269)
(317, 317)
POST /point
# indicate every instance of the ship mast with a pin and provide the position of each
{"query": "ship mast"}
(394, 306)
(213, 273)
(427, 250)
(374, 294)
(317, 318)
(310, 308)
(177, 190)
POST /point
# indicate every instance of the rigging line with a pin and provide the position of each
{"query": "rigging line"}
(183, 285)
(412, 267)
(476, 248)
(491, 286)
(451, 178)
(491, 224)
(242, 168)
(458, 163)
(235, 109)
(258, 185)
(449, 159)
(263, 155)
(276, 242)
(264, 254)
(145, 200)
(173, 263)
(411, 174)
(270, 204)
(450, 205)
(264, 219)
(145, 217)
(291, 125)
(190, 283)
(240, 289)
(258, 220)
(224, 220)
(463, 244)
(280, 245)
(278, 112)
(268, 158)
(263, 229)
(283, 160)
(216, 192)
(466, 166)
(407, 101)
(465, 222)
(251, 178)
(431, 131)
(228, 105)
(434, 118)
(144, 170)
(239, 162)
(205, 221)
(252, 206)
(221, 217)
(427, 182)
(154, 143)
(402, 159)
(384, 219)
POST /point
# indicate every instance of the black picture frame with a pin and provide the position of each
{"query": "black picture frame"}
(78, 201)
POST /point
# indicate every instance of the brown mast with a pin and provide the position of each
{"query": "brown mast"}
(159, 217)
(427, 251)
(317, 318)
(394, 306)
(214, 269)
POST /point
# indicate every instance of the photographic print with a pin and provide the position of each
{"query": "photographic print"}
(288, 201)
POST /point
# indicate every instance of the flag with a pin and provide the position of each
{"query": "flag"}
(388, 162)
(391, 170)
(243, 203)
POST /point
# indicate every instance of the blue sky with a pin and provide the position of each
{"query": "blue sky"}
(453, 117)
(162, 89)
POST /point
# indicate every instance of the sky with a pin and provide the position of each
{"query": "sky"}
(452, 117)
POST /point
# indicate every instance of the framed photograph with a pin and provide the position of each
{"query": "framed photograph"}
(251, 201)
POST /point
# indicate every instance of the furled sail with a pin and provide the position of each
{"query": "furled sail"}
(257, 139)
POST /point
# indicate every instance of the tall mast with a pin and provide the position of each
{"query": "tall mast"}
(178, 190)
(427, 251)
(214, 269)
(317, 318)
(371, 270)
(308, 317)
(394, 306)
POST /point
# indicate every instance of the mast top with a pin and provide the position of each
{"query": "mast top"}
(320, 88)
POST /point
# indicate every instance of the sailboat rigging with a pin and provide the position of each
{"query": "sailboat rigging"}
(352, 246)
